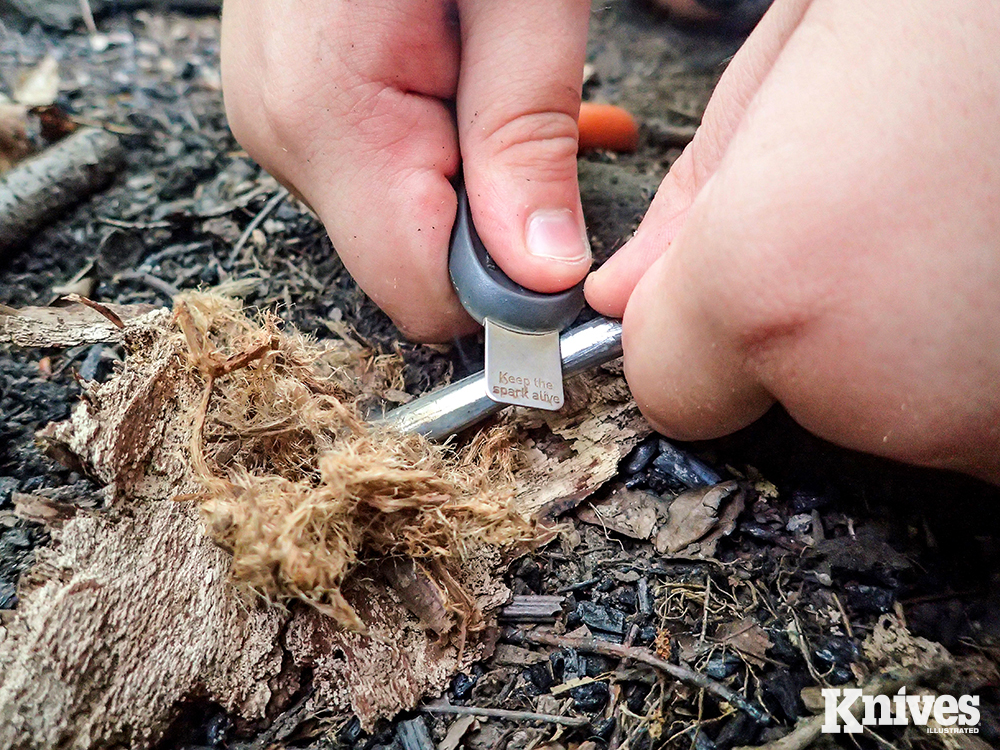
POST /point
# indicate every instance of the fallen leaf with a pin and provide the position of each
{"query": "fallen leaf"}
(689, 648)
(746, 637)
(631, 513)
(693, 515)
(865, 551)
(40, 86)
(727, 522)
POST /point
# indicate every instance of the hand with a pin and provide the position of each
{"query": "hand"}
(348, 104)
(831, 239)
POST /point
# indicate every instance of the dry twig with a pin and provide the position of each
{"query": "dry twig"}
(104, 310)
(677, 671)
(272, 204)
(501, 713)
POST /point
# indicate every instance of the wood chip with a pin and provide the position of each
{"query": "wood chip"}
(62, 327)
(532, 608)
(456, 732)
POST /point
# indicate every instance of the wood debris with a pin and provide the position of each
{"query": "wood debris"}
(64, 326)
(143, 585)
(40, 188)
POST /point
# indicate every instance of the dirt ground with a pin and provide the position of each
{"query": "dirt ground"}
(827, 545)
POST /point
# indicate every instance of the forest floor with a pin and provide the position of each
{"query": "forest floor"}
(830, 550)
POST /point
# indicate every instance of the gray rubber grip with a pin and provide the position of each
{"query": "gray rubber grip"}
(487, 292)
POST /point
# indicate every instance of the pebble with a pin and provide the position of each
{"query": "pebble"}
(595, 665)
(414, 735)
(92, 362)
(807, 502)
(32, 483)
(741, 730)
(840, 676)
(646, 636)
(566, 664)
(8, 595)
(862, 597)
(209, 274)
(757, 531)
(684, 467)
(837, 651)
(603, 728)
(530, 571)
(591, 697)
(596, 617)
(8, 485)
(218, 729)
(350, 733)
(461, 686)
(18, 537)
(703, 742)
(781, 688)
(645, 600)
(799, 524)
(721, 666)
(641, 457)
(635, 697)
(625, 599)
(540, 675)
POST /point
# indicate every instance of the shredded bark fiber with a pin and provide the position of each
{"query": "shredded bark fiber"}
(301, 490)
(131, 612)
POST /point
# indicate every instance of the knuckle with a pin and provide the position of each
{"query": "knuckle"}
(285, 108)
(764, 290)
(427, 329)
(545, 141)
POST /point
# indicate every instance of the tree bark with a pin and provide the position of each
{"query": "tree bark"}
(131, 611)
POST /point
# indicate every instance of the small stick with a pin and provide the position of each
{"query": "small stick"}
(843, 615)
(88, 17)
(122, 224)
(502, 713)
(104, 310)
(239, 361)
(33, 193)
(704, 615)
(153, 282)
(272, 204)
(678, 672)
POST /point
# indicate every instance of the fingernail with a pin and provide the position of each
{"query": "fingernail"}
(555, 234)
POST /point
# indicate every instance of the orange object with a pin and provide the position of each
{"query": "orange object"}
(608, 127)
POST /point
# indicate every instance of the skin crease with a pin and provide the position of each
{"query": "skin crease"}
(829, 240)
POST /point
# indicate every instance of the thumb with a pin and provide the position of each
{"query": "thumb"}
(517, 106)
(609, 289)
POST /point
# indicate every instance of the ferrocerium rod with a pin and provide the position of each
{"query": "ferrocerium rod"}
(464, 403)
